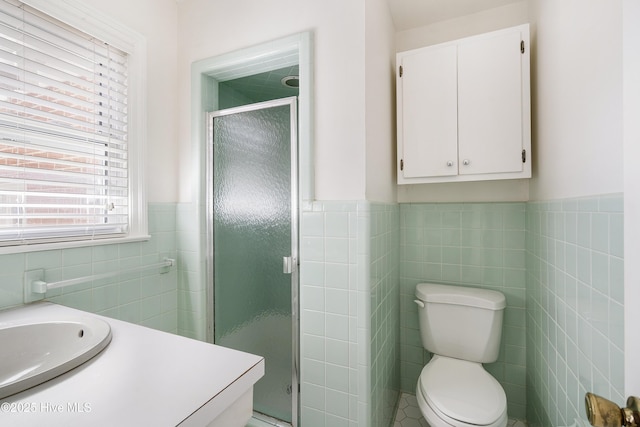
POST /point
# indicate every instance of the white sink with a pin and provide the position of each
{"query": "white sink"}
(33, 351)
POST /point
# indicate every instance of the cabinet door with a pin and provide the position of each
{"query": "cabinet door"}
(428, 117)
(490, 104)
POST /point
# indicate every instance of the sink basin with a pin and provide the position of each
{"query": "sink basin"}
(33, 351)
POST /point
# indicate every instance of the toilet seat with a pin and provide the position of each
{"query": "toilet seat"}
(462, 393)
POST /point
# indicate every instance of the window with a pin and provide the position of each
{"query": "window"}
(69, 161)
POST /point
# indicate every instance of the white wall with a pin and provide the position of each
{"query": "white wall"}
(354, 137)
(156, 20)
(631, 82)
(477, 23)
(380, 102)
(212, 27)
(577, 101)
(465, 26)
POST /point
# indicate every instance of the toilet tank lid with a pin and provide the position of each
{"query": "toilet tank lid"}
(460, 295)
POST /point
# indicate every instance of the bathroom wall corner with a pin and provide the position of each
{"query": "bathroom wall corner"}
(349, 320)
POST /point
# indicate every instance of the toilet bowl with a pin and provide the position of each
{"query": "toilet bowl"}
(458, 393)
(462, 327)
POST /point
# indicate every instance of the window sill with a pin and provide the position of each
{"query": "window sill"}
(72, 244)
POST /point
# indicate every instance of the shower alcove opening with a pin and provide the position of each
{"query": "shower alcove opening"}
(224, 86)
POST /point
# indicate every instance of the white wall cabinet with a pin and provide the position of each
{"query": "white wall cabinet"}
(464, 109)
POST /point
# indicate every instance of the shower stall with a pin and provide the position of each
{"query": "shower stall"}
(252, 248)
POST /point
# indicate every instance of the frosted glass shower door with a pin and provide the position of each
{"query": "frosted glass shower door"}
(254, 226)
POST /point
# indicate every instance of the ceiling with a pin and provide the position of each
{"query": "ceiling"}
(416, 13)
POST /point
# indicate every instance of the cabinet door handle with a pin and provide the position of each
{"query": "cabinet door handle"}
(466, 162)
(449, 163)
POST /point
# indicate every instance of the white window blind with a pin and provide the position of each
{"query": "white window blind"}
(63, 131)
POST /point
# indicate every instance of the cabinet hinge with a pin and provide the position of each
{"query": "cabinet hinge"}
(522, 46)
(401, 164)
(401, 71)
(524, 156)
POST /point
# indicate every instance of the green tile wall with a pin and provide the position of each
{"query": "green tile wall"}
(349, 321)
(192, 292)
(471, 244)
(575, 306)
(229, 97)
(559, 263)
(334, 343)
(385, 312)
(147, 298)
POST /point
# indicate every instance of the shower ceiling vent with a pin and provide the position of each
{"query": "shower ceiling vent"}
(291, 81)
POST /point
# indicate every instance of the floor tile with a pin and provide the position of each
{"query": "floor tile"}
(409, 415)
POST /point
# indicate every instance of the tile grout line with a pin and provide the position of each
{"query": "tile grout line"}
(408, 414)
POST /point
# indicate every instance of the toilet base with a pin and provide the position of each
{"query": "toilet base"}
(435, 420)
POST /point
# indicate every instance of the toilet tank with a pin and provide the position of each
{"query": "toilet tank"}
(460, 322)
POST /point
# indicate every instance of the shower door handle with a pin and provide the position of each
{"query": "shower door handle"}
(288, 264)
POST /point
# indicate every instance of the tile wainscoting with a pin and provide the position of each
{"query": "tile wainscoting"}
(349, 313)
(470, 244)
(575, 306)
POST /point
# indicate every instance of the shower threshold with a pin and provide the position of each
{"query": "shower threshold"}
(262, 420)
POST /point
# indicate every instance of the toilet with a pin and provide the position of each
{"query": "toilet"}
(462, 327)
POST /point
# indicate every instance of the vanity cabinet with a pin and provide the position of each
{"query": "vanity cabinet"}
(464, 109)
(144, 377)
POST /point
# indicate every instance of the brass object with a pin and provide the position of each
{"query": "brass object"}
(633, 405)
(604, 413)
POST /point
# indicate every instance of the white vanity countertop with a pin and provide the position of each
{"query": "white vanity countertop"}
(143, 378)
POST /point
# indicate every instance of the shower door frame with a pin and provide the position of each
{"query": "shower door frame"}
(292, 102)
